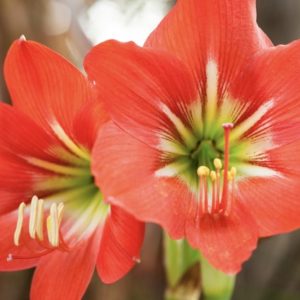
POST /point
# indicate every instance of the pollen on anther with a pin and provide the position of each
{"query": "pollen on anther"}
(53, 223)
(54, 227)
(218, 163)
(213, 176)
(60, 209)
(203, 171)
(33, 216)
(233, 172)
(40, 219)
(18, 229)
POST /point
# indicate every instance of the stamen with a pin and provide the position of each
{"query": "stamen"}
(36, 223)
(218, 163)
(213, 178)
(36, 227)
(60, 209)
(18, 229)
(221, 200)
(232, 175)
(49, 229)
(54, 226)
(203, 172)
(40, 220)
(33, 216)
(233, 172)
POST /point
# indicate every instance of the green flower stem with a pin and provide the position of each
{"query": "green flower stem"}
(189, 275)
(179, 257)
(215, 284)
(182, 270)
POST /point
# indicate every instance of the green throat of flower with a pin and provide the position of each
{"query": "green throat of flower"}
(201, 168)
(69, 205)
(201, 138)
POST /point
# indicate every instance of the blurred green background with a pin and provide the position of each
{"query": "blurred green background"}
(71, 27)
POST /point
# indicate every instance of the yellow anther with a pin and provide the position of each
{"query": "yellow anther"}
(33, 216)
(213, 176)
(233, 172)
(54, 225)
(18, 229)
(50, 229)
(60, 210)
(40, 220)
(229, 176)
(36, 221)
(218, 163)
(203, 171)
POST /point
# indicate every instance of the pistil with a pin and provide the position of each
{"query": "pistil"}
(227, 127)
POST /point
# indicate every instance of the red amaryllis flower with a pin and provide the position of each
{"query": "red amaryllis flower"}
(46, 146)
(209, 140)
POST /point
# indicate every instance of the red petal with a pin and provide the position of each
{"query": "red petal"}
(8, 224)
(44, 85)
(272, 77)
(10, 200)
(274, 201)
(166, 202)
(22, 137)
(227, 241)
(87, 123)
(134, 83)
(18, 177)
(223, 30)
(124, 172)
(120, 245)
(18, 181)
(66, 275)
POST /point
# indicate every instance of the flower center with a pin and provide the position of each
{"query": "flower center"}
(220, 198)
(71, 206)
(197, 137)
(182, 155)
